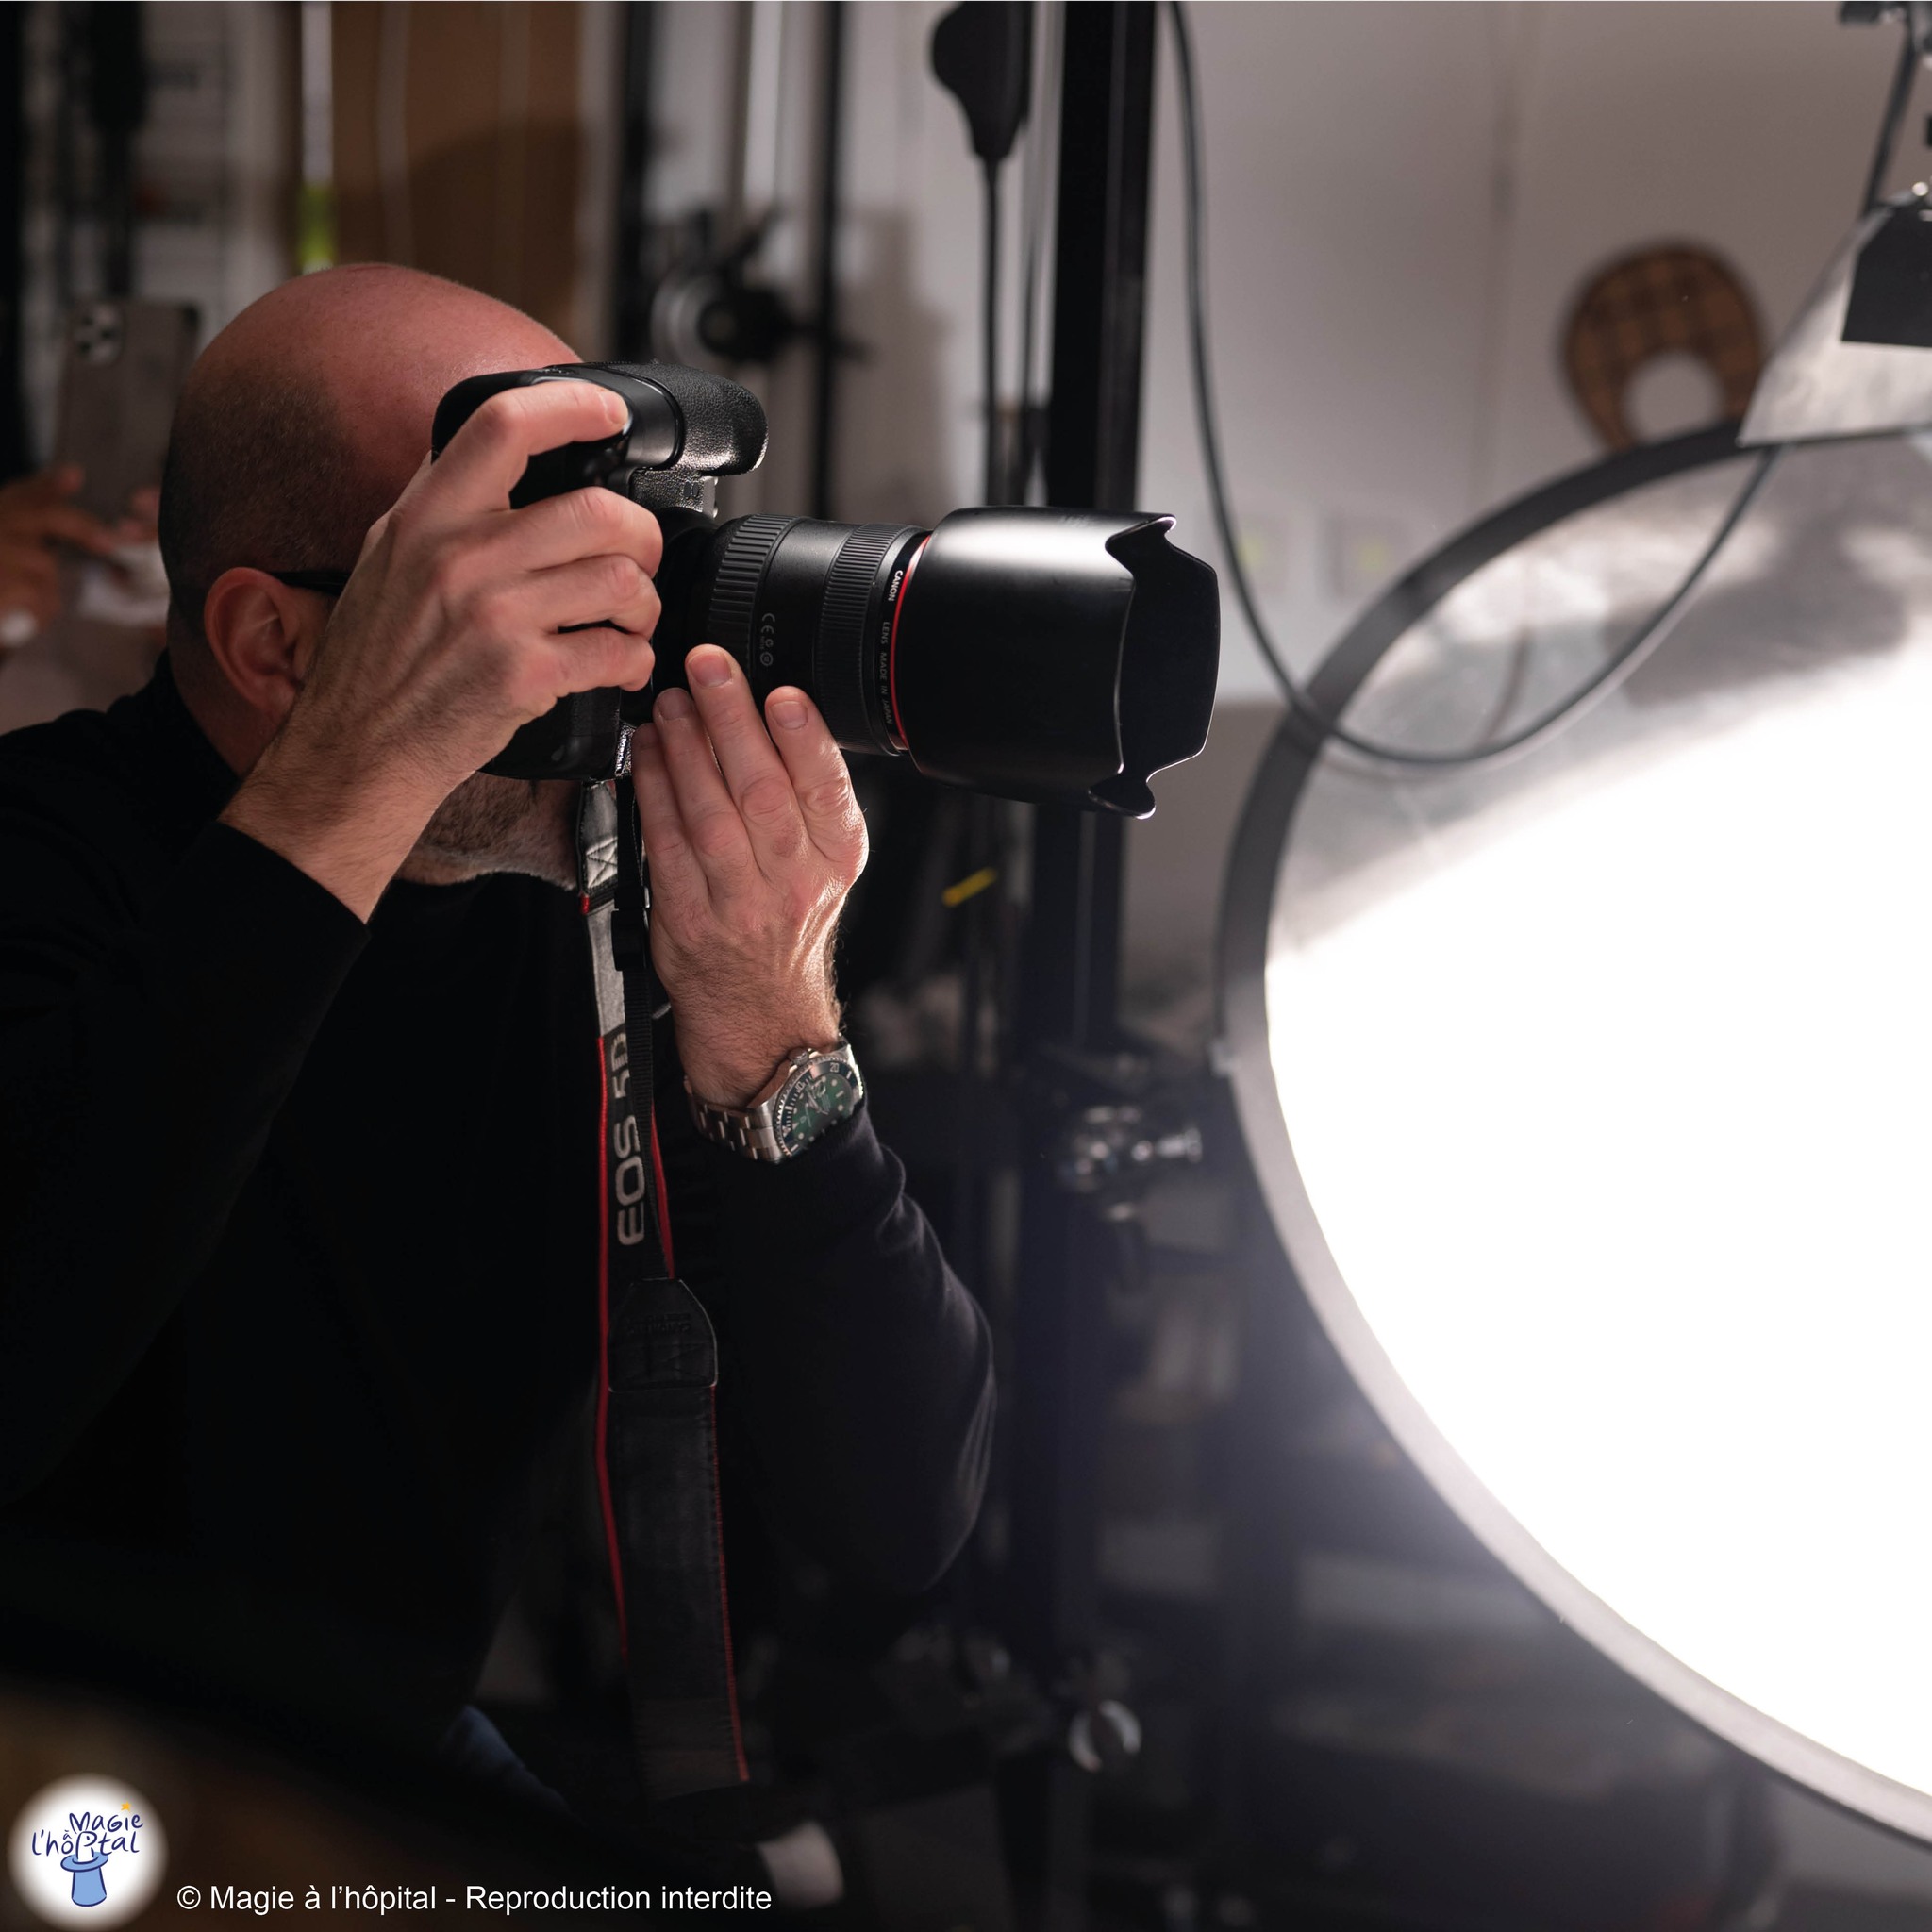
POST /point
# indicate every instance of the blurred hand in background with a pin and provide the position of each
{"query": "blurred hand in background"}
(36, 516)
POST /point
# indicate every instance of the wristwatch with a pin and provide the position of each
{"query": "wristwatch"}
(814, 1091)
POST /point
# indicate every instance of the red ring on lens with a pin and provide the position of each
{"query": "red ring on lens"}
(893, 643)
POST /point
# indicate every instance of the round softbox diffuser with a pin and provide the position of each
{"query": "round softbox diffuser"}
(1590, 1090)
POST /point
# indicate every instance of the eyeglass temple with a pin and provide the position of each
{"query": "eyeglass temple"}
(330, 582)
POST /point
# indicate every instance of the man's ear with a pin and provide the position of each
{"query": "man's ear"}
(259, 632)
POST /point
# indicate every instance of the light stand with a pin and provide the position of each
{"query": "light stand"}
(1067, 1024)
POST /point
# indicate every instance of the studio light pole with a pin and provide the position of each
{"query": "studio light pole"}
(1069, 964)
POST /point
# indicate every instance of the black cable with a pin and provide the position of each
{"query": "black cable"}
(1032, 246)
(994, 490)
(1618, 666)
(977, 845)
(631, 282)
(1019, 472)
(1895, 104)
(826, 340)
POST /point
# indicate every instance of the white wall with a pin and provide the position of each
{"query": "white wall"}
(908, 439)
(1403, 201)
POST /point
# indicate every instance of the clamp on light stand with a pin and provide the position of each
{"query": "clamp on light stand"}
(1916, 17)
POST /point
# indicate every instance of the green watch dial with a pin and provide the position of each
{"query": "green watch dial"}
(820, 1095)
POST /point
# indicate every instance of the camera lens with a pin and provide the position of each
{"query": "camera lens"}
(811, 604)
(1029, 653)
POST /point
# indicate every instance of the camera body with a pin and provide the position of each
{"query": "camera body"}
(1036, 654)
(685, 427)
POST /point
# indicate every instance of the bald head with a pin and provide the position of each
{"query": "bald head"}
(303, 420)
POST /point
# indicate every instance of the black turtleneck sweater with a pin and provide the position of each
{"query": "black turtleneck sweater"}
(298, 1238)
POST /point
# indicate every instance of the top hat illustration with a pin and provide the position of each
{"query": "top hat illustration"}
(90, 1888)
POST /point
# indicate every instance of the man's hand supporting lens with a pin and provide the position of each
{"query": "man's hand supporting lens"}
(754, 838)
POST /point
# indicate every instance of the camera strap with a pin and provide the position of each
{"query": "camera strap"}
(658, 1369)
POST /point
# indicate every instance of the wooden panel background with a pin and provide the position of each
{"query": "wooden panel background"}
(479, 103)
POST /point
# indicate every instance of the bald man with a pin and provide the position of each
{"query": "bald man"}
(298, 1111)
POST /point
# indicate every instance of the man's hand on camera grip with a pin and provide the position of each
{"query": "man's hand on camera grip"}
(453, 631)
(754, 838)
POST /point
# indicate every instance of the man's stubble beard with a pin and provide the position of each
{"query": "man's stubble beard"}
(490, 824)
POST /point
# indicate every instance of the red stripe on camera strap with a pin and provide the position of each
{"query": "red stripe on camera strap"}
(658, 1369)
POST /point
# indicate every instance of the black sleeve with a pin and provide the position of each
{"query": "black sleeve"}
(856, 1365)
(154, 1013)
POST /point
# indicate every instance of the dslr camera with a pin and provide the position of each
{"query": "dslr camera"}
(1033, 654)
